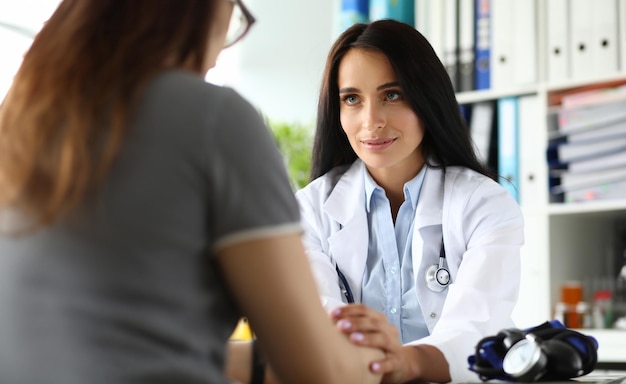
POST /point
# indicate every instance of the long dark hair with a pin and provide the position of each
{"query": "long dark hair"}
(65, 117)
(427, 88)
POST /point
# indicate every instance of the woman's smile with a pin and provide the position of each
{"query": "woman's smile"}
(378, 144)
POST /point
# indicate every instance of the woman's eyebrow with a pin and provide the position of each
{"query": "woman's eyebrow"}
(379, 88)
(388, 85)
(348, 90)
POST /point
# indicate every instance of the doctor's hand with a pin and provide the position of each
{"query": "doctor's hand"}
(367, 327)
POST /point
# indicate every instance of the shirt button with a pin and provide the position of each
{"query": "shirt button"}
(394, 270)
(393, 310)
(433, 315)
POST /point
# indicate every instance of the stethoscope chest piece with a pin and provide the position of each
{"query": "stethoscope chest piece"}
(437, 275)
(437, 278)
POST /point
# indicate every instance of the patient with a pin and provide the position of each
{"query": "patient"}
(134, 232)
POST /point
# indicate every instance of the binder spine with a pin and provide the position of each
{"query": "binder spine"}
(482, 38)
(353, 11)
(466, 45)
(400, 10)
(508, 145)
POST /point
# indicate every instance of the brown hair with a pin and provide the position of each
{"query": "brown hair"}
(65, 117)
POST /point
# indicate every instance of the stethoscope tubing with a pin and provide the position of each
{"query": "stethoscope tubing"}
(347, 292)
(345, 286)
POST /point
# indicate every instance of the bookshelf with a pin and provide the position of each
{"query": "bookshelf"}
(564, 241)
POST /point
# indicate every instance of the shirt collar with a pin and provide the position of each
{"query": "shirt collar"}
(412, 188)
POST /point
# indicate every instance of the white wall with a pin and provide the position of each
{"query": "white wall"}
(29, 14)
(278, 66)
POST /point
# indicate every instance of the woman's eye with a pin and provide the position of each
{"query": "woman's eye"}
(350, 99)
(393, 95)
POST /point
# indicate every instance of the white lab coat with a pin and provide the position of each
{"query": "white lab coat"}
(483, 232)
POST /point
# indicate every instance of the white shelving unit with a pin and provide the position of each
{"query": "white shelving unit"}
(612, 345)
(564, 242)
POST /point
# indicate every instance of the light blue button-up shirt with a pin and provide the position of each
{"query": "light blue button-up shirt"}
(388, 284)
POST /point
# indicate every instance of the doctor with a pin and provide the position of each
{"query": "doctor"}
(401, 217)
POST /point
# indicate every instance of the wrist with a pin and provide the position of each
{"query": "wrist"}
(428, 364)
(413, 359)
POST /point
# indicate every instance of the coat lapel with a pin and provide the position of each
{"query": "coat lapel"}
(348, 245)
(428, 214)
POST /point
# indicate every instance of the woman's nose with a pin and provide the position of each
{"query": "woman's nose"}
(373, 116)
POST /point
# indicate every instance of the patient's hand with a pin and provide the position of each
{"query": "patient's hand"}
(367, 327)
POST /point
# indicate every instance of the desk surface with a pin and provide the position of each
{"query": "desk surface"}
(596, 377)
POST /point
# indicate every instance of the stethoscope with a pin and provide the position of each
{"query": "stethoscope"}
(437, 277)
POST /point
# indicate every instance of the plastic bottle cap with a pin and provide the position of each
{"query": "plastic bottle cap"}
(603, 295)
(560, 306)
(582, 306)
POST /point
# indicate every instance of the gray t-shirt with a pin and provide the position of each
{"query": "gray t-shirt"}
(125, 290)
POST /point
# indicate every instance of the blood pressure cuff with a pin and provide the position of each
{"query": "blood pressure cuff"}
(549, 351)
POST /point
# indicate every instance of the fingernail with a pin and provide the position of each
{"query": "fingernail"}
(336, 312)
(375, 367)
(345, 324)
(357, 336)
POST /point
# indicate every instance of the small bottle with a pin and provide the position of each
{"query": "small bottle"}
(583, 314)
(560, 309)
(602, 311)
(619, 297)
(571, 295)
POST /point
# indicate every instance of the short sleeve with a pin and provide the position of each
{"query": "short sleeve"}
(250, 191)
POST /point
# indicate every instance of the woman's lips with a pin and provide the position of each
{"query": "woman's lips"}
(378, 144)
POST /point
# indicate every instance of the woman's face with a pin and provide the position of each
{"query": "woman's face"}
(380, 125)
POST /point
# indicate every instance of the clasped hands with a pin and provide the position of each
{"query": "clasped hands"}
(366, 327)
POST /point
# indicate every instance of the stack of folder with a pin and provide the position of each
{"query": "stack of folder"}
(583, 39)
(587, 148)
(493, 44)
(502, 132)
(484, 44)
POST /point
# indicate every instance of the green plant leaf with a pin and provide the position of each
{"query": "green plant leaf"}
(294, 142)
